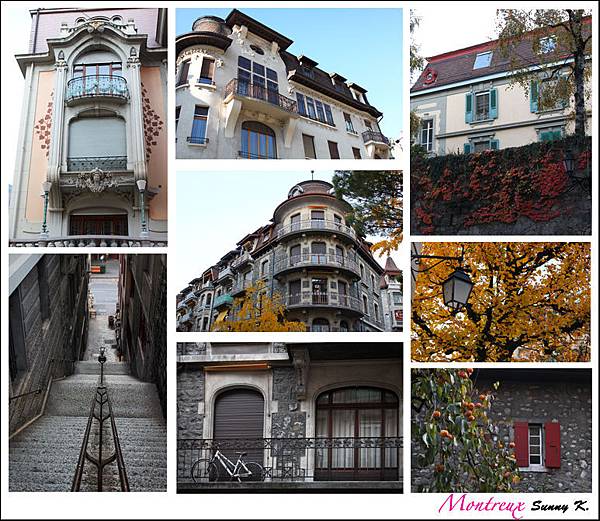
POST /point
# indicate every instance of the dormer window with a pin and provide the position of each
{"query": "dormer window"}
(257, 49)
(547, 44)
(483, 60)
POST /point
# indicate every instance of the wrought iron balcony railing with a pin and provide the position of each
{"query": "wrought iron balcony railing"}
(98, 85)
(311, 299)
(197, 140)
(103, 241)
(315, 225)
(259, 92)
(321, 260)
(294, 459)
(105, 163)
(223, 300)
(377, 137)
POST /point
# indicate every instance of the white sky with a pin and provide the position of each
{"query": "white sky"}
(217, 209)
(16, 23)
(444, 27)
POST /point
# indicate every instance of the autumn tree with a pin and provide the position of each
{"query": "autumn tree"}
(530, 302)
(376, 200)
(453, 435)
(560, 41)
(256, 311)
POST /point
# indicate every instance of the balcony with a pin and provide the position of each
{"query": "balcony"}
(239, 94)
(290, 462)
(97, 87)
(225, 300)
(83, 241)
(378, 146)
(308, 299)
(225, 272)
(240, 288)
(244, 259)
(104, 163)
(317, 260)
(316, 225)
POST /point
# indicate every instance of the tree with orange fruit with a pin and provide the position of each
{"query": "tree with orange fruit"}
(530, 302)
(452, 435)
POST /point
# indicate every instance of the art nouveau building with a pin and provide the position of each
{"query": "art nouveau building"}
(241, 94)
(466, 104)
(313, 416)
(308, 256)
(92, 138)
(391, 288)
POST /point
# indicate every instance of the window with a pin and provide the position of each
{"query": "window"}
(547, 44)
(482, 60)
(257, 81)
(309, 146)
(397, 298)
(482, 106)
(184, 70)
(337, 220)
(258, 141)
(365, 305)
(550, 134)
(354, 413)
(257, 49)
(205, 324)
(339, 252)
(264, 268)
(319, 291)
(356, 153)
(207, 72)
(208, 299)
(295, 222)
(295, 289)
(295, 254)
(301, 105)
(349, 125)
(344, 326)
(314, 109)
(318, 252)
(333, 150)
(320, 325)
(537, 445)
(317, 218)
(427, 134)
(372, 282)
(177, 113)
(199, 125)
(376, 311)
(342, 293)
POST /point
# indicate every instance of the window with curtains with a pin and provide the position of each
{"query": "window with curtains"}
(207, 71)
(198, 136)
(360, 416)
(258, 141)
(349, 125)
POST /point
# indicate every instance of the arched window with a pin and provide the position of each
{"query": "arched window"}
(320, 325)
(344, 326)
(365, 422)
(98, 72)
(258, 141)
(208, 299)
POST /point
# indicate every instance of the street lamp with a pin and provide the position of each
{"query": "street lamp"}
(457, 289)
(46, 186)
(577, 175)
(141, 184)
(102, 359)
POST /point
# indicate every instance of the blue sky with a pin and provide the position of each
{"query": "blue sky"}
(208, 226)
(363, 45)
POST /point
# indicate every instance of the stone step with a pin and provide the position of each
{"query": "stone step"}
(93, 367)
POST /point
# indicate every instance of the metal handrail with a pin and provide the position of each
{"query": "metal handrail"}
(372, 135)
(315, 224)
(88, 163)
(36, 391)
(260, 92)
(101, 399)
(304, 260)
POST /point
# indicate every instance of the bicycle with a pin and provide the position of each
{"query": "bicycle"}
(205, 469)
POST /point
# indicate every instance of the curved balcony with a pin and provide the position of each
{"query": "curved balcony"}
(316, 225)
(317, 260)
(225, 300)
(98, 86)
(308, 299)
(375, 137)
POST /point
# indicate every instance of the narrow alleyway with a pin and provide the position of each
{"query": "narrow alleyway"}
(43, 457)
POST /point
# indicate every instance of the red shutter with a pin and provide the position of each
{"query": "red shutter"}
(552, 444)
(522, 443)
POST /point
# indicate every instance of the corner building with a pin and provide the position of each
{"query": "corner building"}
(241, 94)
(323, 271)
(93, 130)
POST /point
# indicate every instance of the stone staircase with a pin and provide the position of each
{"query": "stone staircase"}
(43, 457)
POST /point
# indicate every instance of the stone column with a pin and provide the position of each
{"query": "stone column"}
(137, 155)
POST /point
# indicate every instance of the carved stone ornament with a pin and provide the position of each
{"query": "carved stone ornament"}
(95, 180)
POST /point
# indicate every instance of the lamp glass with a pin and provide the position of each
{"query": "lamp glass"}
(46, 185)
(457, 289)
(141, 184)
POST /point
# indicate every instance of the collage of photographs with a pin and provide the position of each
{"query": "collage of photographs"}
(404, 327)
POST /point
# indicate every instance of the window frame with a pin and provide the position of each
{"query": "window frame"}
(428, 144)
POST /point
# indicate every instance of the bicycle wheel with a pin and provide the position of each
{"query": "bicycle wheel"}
(255, 470)
(205, 470)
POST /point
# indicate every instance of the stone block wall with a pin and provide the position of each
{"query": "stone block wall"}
(289, 421)
(190, 393)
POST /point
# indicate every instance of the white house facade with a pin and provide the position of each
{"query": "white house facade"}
(241, 94)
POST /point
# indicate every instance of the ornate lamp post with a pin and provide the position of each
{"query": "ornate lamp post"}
(102, 360)
(46, 186)
(456, 289)
(579, 176)
(141, 184)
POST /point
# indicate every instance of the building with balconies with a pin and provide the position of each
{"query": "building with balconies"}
(308, 257)
(391, 286)
(303, 416)
(241, 94)
(91, 168)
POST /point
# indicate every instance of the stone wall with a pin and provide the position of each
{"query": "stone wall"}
(288, 421)
(48, 323)
(569, 403)
(190, 393)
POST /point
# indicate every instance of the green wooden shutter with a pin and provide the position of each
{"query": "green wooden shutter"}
(493, 103)
(533, 95)
(494, 144)
(469, 108)
(467, 148)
